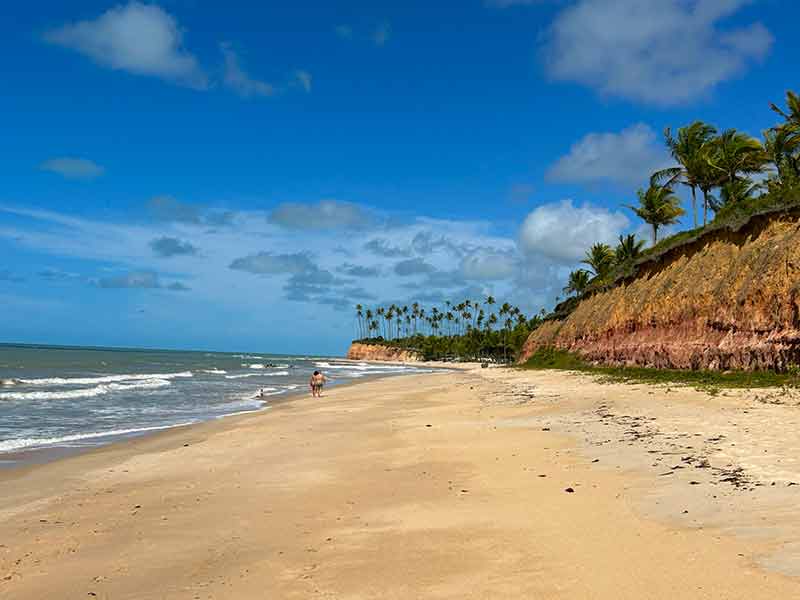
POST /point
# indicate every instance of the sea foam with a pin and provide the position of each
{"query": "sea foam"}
(104, 378)
(22, 443)
(100, 390)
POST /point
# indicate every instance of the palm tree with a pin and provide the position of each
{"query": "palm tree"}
(793, 104)
(736, 191)
(629, 248)
(782, 142)
(577, 283)
(600, 257)
(689, 149)
(658, 206)
(782, 147)
(734, 152)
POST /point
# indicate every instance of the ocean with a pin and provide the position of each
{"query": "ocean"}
(66, 397)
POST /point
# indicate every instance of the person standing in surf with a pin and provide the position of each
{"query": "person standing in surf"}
(316, 382)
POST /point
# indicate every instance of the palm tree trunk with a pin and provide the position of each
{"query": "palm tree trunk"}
(694, 206)
(655, 234)
(705, 208)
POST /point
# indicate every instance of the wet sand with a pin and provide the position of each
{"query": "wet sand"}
(449, 485)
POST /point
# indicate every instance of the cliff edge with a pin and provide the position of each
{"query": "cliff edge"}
(727, 299)
(359, 351)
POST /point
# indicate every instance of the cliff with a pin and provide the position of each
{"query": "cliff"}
(728, 298)
(360, 351)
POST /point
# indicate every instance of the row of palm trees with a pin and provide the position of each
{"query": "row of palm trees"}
(707, 161)
(477, 327)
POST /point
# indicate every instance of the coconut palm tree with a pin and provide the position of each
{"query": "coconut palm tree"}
(658, 206)
(736, 191)
(689, 149)
(782, 147)
(782, 142)
(629, 248)
(577, 283)
(734, 153)
(600, 258)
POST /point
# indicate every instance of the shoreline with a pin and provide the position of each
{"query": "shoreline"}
(32, 457)
(447, 484)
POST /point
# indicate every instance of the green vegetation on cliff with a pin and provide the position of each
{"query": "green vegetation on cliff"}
(550, 358)
(738, 176)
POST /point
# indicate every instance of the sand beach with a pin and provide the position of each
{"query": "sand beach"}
(477, 483)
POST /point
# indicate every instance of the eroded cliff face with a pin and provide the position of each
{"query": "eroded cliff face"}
(377, 352)
(728, 300)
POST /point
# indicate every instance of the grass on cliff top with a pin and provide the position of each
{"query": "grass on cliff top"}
(710, 381)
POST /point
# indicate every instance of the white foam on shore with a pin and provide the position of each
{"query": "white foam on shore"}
(99, 390)
(243, 375)
(22, 443)
(104, 378)
(366, 367)
(214, 371)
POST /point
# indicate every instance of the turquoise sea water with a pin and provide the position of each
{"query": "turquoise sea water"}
(75, 397)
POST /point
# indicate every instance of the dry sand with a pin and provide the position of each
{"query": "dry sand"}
(430, 486)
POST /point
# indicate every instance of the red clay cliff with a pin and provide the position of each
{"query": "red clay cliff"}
(729, 299)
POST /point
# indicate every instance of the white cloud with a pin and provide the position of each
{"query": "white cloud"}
(238, 80)
(489, 266)
(73, 168)
(139, 38)
(266, 263)
(627, 157)
(135, 279)
(562, 232)
(255, 269)
(326, 214)
(303, 79)
(662, 52)
(413, 266)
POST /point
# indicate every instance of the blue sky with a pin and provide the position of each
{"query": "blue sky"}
(236, 176)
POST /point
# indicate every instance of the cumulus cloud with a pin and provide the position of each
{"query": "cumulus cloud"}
(352, 270)
(667, 52)
(138, 38)
(426, 242)
(382, 247)
(166, 247)
(488, 266)
(326, 214)
(73, 168)
(562, 232)
(237, 79)
(413, 266)
(266, 263)
(134, 279)
(627, 157)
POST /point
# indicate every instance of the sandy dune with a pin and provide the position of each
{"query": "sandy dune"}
(431, 486)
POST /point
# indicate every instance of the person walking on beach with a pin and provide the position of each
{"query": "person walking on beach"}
(315, 383)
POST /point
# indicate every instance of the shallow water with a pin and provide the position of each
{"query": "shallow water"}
(75, 397)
